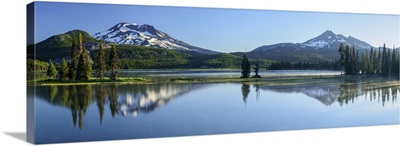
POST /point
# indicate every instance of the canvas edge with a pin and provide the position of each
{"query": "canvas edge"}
(30, 108)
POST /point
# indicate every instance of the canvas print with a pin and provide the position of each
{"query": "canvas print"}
(109, 72)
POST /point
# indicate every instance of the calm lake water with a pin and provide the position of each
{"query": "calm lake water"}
(125, 111)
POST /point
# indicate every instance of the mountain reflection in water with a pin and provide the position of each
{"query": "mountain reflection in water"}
(124, 100)
(135, 99)
(329, 91)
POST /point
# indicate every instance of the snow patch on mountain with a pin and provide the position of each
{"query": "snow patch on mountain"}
(316, 44)
(145, 35)
(329, 39)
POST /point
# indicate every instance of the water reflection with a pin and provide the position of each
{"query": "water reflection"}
(100, 100)
(76, 98)
(245, 91)
(257, 89)
(329, 91)
(133, 100)
(122, 100)
(382, 92)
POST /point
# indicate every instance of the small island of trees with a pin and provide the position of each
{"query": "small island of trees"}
(246, 68)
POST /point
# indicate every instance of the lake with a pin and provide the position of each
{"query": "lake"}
(283, 101)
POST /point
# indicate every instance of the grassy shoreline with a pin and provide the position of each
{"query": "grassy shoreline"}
(140, 80)
(135, 80)
(271, 80)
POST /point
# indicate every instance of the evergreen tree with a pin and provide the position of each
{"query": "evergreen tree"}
(80, 43)
(395, 62)
(51, 70)
(370, 68)
(113, 58)
(84, 68)
(256, 69)
(347, 63)
(101, 64)
(84, 71)
(63, 71)
(371, 59)
(385, 64)
(354, 62)
(73, 64)
(379, 69)
(375, 61)
(358, 68)
(80, 72)
(364, 64)
(342, 53)
(389, 61)
(245, 67)
(81, 64)
(88, 64)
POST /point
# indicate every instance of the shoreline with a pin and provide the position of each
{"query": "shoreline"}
(272, 78)
(140, 80)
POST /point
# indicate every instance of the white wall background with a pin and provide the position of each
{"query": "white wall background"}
(13, 90)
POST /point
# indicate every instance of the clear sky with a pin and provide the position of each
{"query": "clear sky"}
(224, 30)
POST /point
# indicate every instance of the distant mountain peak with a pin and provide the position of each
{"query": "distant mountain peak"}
(323, 47)
(329, 39)
(328, 32)
(146, 35)
(123, 27)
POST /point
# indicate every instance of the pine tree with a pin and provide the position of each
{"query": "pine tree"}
(364, 66)
(88, 64)
(389, 62)
(80, 43)
(63, 71)
(369, 66)
(256, 69)
(379, 69)
(395, 62)
(101, 64)
(113, 58)
(73, 64)
(371, 59)
(347, 63)
(342, 53)
(84, 68)
(385, 65)
(51, 70)
(354, 62)
(375, 60)
(245, 67)
(358, 68)
(80, 72)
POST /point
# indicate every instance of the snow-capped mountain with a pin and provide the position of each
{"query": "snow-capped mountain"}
(327, 40)
(330, 40)
(146, 35)
(324, 47)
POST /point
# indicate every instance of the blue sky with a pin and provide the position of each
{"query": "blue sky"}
(224, 30)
